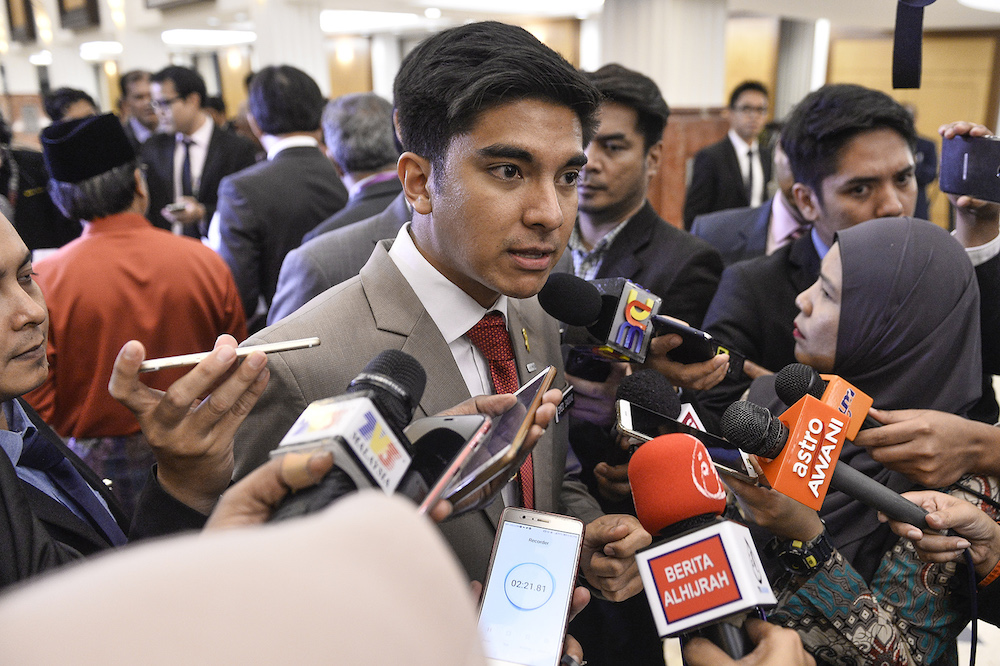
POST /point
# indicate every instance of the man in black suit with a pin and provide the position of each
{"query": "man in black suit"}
(851, 152)
(265, 210)
(733, 172)
(136, 107)
(184, 167)
(361, 143)
(745, 233)
(618, 234)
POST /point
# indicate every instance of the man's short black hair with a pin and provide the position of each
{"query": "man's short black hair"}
(216, 103)
(128, 78)
(454, 76)
(639, 93)
(756, 86)
(102, 195)
(59, 100)
(825, 120)
(185, 80)
(285, 99)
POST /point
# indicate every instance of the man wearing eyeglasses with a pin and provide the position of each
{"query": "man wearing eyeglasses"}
(185, 164)
(733, 173)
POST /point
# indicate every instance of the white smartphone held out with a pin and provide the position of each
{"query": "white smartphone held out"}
(443, 445)
(155, 364)
(529, 587)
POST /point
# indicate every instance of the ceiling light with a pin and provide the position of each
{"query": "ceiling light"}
(532, 7)
(41, 58)
(207, 37)
(432, 13)
(984, 5)
(354, 22)
(100, 50)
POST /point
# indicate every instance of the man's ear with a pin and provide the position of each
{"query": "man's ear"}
(806, 201)
(254, 127)
(414, 173)
(653, 156)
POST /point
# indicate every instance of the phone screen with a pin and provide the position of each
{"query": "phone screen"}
(635, 420)
(501, 435)
(525, 605)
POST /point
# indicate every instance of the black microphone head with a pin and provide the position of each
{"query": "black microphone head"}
(649, 389)
(397, 382)
(796, 380)
(752, 429)
(570, 299)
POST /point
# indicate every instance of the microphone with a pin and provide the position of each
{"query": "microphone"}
(705, 572)
(608, 318)
(650, 390)
(364, 430)
(798, 379)
(807, 469)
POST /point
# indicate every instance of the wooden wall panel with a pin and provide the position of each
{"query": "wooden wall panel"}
(751, 52)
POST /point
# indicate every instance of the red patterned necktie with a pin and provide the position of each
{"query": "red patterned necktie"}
(490, 337)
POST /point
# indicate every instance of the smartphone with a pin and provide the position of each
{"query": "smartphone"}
(529, 586)
(696, 345)
(640, 425)
(176, 207)
(442, 448)
(154, 364)
(971, 165)
(500, 458)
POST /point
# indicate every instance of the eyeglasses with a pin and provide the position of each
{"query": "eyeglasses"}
(759, 110)
(164, 103)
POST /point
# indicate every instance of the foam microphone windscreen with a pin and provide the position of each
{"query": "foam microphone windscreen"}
(751, 428)
(673, 479)
(796, 380)
(397, 382)
(570, 299)
(649, 389)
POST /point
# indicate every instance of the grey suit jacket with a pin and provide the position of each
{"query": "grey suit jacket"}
(738, 233)
(371, 200)
(332, 258)
(378, 310)
(265, 210)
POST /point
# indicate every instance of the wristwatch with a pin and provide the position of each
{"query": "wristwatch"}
(801, 557)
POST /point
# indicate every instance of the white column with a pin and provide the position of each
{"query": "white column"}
(289, 34)
(680, 44)
(387, 55)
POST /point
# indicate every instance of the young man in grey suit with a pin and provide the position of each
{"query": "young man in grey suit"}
(265, 210)
(494, 125)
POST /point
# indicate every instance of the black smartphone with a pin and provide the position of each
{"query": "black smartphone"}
(970, 165)
(697, 346)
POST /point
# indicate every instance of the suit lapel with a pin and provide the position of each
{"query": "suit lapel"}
(754, 236)
(213, 161)
(621, 259)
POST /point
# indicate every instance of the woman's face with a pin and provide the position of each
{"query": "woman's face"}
(819, 317)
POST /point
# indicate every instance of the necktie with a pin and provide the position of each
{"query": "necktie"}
(750, 177)
(490, 337)
(41, 454)
(186, 187)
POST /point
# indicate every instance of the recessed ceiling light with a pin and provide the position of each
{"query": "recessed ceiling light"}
(207, 37)
(984, 5)
(355, 22)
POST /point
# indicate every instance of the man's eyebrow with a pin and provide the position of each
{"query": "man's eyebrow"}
(616, 136)
(578, 160)
(506, 151)
(25, 261)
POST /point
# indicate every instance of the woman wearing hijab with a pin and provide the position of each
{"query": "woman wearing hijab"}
(895, 312)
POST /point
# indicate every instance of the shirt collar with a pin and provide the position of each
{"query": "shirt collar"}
(783, 221)
(821, 247)
(117, 222)
(141, 131)
(586, 262)
(276, 145)
(19, 429)
(380, 177)
(741, 146)
(202, 135)
(453, 311)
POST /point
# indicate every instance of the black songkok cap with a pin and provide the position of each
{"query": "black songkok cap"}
(76, 150)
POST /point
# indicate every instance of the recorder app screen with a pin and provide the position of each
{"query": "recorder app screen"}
(524, 609)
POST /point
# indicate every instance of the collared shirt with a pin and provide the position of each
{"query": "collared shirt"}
(980, 254)
(821, 247)
(358, 187)
(141, 131)
(199, 152)
(783, 224)
(742, 148)
(276, 145)
(586, 263)
(12, 442)
(453, 311)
